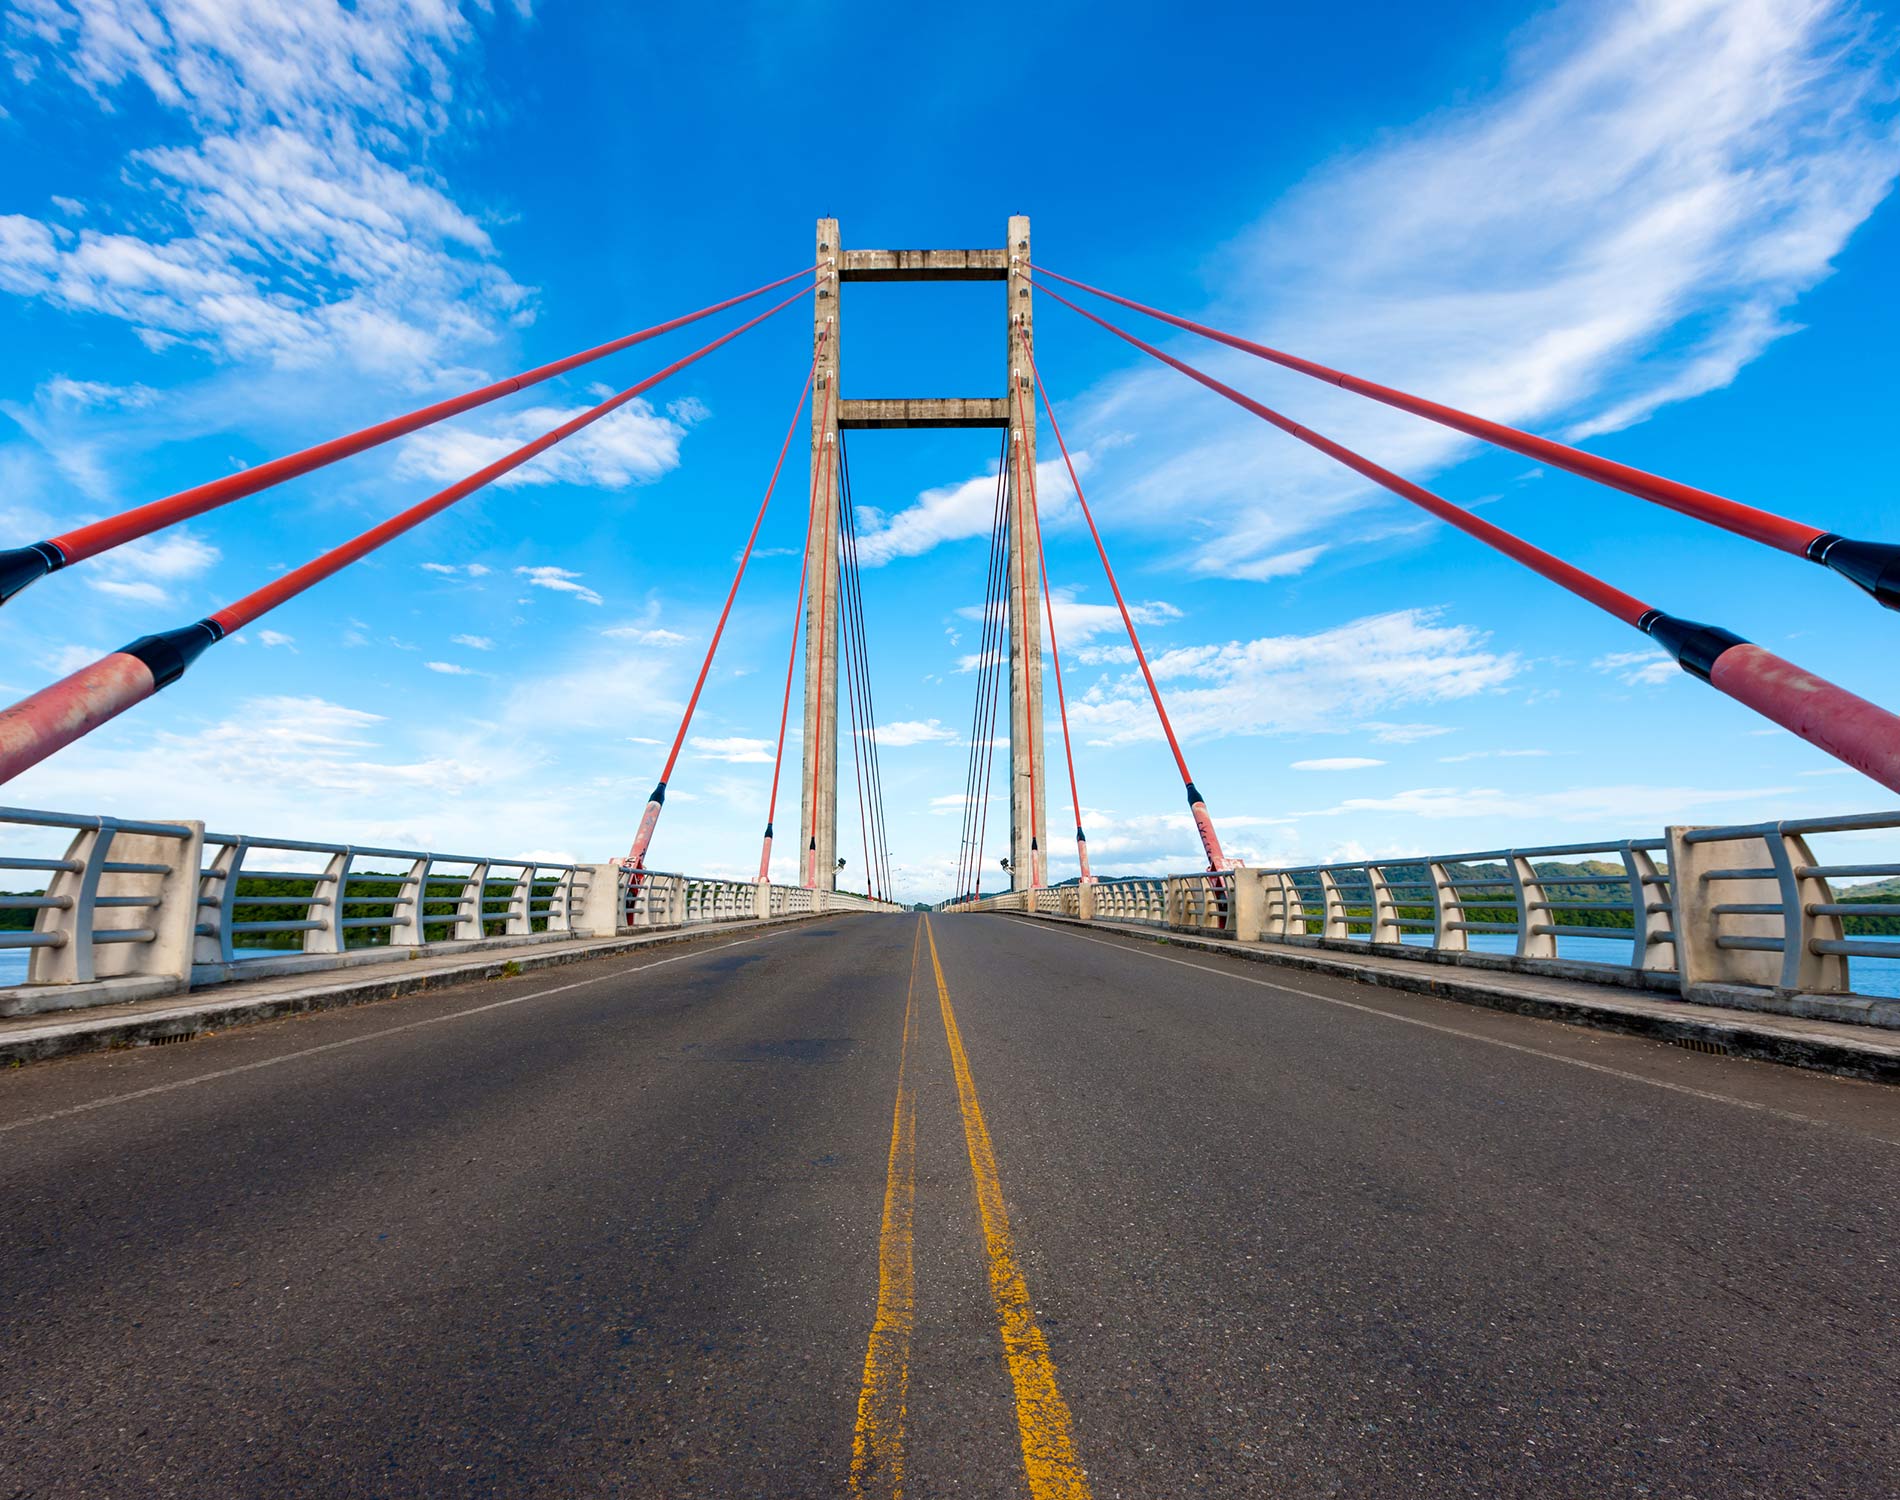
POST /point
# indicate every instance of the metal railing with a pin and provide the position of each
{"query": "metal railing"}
(131, 909)
(99, 913)
(1744, 914)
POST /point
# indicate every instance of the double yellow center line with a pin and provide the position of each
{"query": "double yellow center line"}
(1042, 1417)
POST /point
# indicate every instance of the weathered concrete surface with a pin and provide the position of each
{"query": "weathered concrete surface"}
(924, 411)
(924, 265)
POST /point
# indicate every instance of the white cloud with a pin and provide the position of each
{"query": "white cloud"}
(1639, 668)
(633, 445)
(1623, 222)
(1337, 763)
(449, 669)
(474, 642)
(274, 638)
(136, 593)
(955, 512)
(735, 750)
(1403, 734)
(561, 581)
(1306, 684)
(1451, 760)
(282, 220)
(913, 732)
(1615, 807)
(642, 635)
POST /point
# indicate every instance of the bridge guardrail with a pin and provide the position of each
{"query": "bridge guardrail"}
(1740, 915)
(207, 908)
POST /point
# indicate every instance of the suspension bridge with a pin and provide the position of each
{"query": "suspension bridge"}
(1457, 1173)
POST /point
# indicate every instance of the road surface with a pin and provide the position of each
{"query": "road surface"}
(1051, 1213)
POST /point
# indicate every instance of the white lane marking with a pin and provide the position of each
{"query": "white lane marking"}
(368, 1036)
(1470, 1036)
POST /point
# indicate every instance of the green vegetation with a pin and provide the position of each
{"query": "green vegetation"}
(288, 900)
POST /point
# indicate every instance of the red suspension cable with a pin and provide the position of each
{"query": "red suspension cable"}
(784, 714)
(1055, 656)
(1872, 566)
(637, 855)
(1197, 805)
(57, 715)
(22, 566)
(1846, 726)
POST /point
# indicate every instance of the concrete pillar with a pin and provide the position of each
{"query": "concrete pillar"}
(820, 821)
(1028, 804)
(1248, 894)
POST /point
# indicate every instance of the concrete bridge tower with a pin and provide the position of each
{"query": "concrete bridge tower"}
(818, 799)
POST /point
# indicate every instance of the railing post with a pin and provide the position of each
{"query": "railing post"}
(1655, 943)
(1448, 910)
(518, 919)
(1385, 912)
(217, 895)
(326, 906)
(1801, 967)
(406, 919)
(762, 900)
(561, 902)
(1085, 901)
(469, 911)
(1333, 922)
(1531, 900)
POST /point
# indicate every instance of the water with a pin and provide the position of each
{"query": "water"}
(1872, 976)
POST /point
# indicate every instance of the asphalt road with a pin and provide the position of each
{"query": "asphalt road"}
(785, 1216)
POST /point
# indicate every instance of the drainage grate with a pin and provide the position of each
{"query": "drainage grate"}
(166, 1041)
(1697, 1044)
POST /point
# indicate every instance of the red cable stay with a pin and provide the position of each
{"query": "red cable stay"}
(23, 566)
(1055, 656)
(1872, 566)
(54, 717)
(637, 855)
(1846, 726)
(1197, 805)
(784, 713)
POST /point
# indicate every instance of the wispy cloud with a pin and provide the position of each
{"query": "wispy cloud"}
(561, 581)
(1638, 668)
(632, 445)
(1337, 763)
(1300, 683)
(734, 749)
(1624, 222)
(286, 217)
(956, 512)
(913, 732)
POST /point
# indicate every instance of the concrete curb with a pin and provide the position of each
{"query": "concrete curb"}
(1789, 1041)
(40, 1037)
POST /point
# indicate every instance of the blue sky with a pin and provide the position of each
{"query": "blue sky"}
(1665, 229)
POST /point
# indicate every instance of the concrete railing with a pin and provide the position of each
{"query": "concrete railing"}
(131, 909)
(1743, 915)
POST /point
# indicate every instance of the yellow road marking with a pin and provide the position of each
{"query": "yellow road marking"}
(1042, 1416)
(877, 1447)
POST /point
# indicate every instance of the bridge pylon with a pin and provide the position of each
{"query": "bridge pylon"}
(1029, 806)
